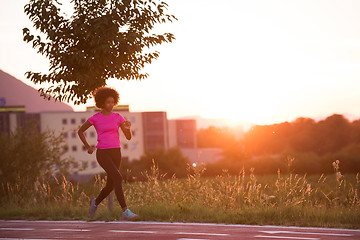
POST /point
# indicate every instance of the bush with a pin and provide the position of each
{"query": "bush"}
(28, 154)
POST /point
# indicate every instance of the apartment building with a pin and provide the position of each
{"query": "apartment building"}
(12, 117)
(68, 123)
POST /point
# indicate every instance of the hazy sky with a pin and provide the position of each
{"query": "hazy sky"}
(258, 61)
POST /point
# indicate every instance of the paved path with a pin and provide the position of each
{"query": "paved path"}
(22, 229)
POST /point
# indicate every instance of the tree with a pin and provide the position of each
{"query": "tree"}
(102, 39)
(215, 137)
(303, 138)
(333, 134)
(170, 162)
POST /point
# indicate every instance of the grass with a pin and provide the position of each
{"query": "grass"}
(279, 199)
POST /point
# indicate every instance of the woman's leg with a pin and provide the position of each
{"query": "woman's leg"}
(109, 183)
(105, 191)
(109, 160)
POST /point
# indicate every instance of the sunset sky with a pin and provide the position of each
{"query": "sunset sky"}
(258, 61)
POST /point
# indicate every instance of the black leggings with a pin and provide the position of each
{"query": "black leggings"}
(110, 159)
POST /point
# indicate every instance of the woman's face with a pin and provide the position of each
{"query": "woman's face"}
(109, 104)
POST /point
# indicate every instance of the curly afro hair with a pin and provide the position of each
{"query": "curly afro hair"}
(102, 93)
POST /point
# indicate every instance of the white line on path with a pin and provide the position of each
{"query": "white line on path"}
(128, 231)
(191, 239)
(30, 238)
(69, 229)
(211, 234)
(183, 223)
(318, 233)
(17, 229)
(263, 236)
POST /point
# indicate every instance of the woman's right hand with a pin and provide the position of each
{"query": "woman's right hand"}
(91, 149)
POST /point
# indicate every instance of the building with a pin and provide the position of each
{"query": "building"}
(68, 123)
(182, 133)
(155, 130)
(12, 117)
(150, 131)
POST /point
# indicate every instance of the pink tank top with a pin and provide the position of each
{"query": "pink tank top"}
(107, 128)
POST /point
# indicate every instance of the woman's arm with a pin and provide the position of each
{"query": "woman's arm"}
(125, 127)
(81, 131)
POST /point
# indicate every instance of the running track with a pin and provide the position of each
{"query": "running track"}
(22, 229)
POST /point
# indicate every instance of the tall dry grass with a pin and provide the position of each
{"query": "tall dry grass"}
(221, 192)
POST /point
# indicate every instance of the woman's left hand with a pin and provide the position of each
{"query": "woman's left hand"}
(127, 124)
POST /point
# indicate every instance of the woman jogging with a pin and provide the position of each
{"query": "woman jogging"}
(108, 149)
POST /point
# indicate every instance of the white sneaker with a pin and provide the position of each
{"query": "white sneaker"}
(127, 215)
(92, 208)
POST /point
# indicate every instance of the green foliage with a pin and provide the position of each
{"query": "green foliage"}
(28, 155)
(101, 39)
(170, 163)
